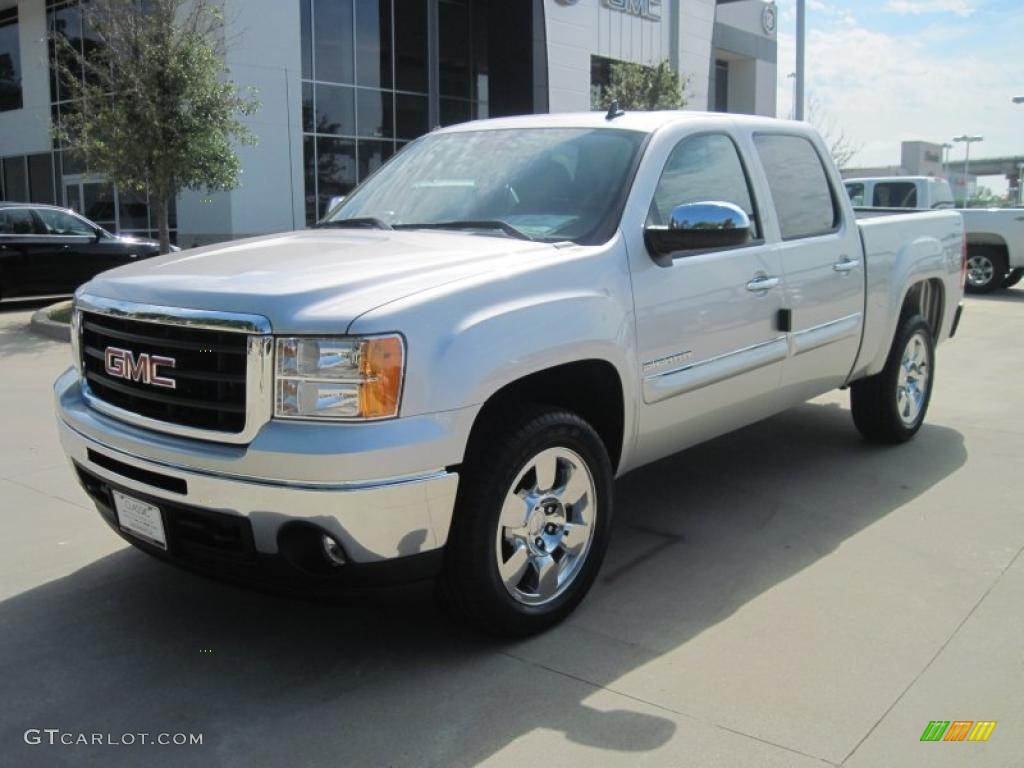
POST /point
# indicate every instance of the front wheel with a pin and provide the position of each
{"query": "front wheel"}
(890, 406)
(1014, 277)
(531, 523)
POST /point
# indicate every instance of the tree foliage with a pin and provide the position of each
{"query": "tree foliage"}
(984, 197)
(639, 87)
(156, 109)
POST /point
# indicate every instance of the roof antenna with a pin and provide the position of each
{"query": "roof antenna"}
(614, 111)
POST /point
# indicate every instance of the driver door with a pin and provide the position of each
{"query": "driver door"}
(710, 351)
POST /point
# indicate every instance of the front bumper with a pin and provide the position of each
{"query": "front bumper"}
(376, 520)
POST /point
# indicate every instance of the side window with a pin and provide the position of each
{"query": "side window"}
(61, 223)
(17, 221)
(701, 169)
(800, 189)
(856, 193)
(896, 194)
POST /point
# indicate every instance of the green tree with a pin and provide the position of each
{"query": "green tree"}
(984, 197)
(157, 110)
(639, 87)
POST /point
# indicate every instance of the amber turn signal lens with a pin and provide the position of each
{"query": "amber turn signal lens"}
(381, 365)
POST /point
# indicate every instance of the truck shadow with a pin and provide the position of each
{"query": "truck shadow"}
(1007, 294)
(129, 645)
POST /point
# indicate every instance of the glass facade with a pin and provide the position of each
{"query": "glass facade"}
(72, 183)
(10, 60)
(368, 86)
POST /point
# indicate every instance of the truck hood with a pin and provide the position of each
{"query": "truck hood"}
(314, 280)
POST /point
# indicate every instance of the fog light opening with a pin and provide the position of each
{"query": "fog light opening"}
(332, 551)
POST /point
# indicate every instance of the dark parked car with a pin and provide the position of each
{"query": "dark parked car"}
(48, 250)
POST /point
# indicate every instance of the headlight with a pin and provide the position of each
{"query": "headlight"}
(341, 379)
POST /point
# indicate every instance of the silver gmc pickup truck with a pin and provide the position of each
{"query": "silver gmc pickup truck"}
(443, 378)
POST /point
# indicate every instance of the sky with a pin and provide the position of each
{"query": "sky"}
(886, 71)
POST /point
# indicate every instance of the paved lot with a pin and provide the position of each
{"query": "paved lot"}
(783, 596)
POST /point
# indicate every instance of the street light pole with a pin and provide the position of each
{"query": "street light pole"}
(946, 146)
(968, 140)
(801, 30)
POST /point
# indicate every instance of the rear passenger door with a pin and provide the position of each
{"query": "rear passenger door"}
(822, 258)
(18, 242)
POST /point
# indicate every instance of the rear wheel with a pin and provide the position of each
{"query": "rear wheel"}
(1014, 277)
(531, 523)
(890, 406)
(986, 268)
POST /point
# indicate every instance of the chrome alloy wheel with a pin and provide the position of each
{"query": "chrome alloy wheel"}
(980, 270)
(913, 379)
(546, 526)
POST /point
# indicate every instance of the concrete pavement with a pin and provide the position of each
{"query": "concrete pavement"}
(783, 596)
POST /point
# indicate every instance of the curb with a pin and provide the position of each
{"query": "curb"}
(44, 326)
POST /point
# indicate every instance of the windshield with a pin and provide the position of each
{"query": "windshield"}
(550, 184)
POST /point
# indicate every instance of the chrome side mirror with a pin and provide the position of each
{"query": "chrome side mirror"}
(334, 202)
(699, 226)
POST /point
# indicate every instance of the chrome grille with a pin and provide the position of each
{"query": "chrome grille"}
(217, 387)
(209, 374)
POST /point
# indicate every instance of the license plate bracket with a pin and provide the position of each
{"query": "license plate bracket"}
(140, 519)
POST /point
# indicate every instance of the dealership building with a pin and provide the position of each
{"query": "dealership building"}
(343, 84)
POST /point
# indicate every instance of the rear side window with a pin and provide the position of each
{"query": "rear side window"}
(60, 223)
(703, 168)
(17, 221)
(895, 194)
(800, 189)
(856, 193)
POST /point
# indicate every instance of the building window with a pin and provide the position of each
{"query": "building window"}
(462, 60)
(28, 179)
(721, 86)
(600, 80)
(366, 83)
(15, 179)
(10, 61)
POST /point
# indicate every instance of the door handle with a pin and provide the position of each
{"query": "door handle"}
(763, 283)
(845, 265)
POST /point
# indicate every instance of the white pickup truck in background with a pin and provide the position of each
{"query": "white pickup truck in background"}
(995, 236)
(444, 377)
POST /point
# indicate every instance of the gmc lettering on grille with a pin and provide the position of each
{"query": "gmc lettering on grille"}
(143, 368)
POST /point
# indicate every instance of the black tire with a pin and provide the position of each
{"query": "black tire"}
(470, 586)
(1013, 277)
(875, 400)
(986, 269)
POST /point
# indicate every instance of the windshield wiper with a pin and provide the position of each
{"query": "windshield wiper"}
(365, 222)
(497, 224)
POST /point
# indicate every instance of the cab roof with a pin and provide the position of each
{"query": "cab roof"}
(646, 122)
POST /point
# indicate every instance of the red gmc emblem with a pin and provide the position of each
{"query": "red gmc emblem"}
(144, 368)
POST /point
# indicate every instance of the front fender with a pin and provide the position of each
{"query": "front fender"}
(466, 341)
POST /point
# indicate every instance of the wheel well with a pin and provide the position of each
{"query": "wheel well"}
(591, 389)
(928, 299)
(984, 241)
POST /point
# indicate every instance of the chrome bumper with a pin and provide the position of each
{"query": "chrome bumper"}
(374, 520)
